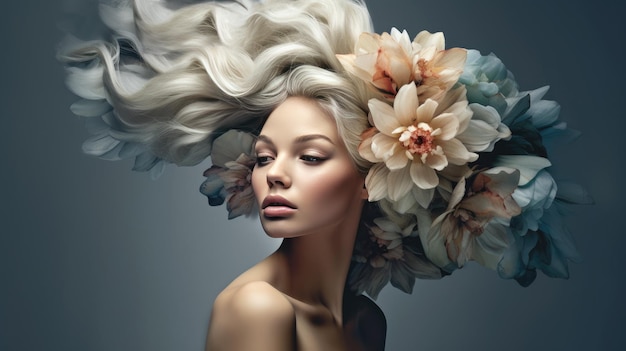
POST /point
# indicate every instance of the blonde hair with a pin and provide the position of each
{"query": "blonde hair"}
(178, 78)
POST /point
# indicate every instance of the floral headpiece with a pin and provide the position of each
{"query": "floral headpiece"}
(459, 167)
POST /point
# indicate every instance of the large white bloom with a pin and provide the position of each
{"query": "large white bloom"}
(410, 142)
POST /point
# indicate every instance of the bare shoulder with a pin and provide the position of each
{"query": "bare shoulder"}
(251, 316)
(367, 321)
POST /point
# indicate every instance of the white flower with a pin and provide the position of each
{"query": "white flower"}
(384, 60)
(435, 70)
(390, 61)
(413, 141)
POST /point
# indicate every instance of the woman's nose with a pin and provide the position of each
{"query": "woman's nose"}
(278, 174)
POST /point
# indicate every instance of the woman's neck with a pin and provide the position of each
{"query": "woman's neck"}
(314, 267)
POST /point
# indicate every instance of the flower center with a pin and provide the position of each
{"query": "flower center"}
(417, 140)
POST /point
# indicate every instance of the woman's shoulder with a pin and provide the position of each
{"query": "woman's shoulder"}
(252, 297)
(251, 315)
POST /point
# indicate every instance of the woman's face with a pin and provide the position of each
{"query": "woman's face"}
(304, 180)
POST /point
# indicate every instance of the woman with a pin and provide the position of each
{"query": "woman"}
(310, 193)
(376, 158)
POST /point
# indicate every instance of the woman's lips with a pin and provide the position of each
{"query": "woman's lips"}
(278, 211)
(275, 206)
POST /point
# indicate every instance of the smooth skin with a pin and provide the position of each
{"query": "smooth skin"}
(294, 299)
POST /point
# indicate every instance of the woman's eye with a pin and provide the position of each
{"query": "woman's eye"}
(311, 159)
(262, 160)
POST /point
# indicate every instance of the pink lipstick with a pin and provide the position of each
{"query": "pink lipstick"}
(275, 206)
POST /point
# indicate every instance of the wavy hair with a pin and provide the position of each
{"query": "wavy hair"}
(169, 81)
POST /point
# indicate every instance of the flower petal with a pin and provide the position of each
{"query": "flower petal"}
(365, 150)
(447, 123)
(383, 146)
(376, 182)
(398, 160)
(424, 113)
(383, 116)
(399, 183)
(491, 245)
(228, 146)
(457, 153)
(423, 176)
(528, 165)
(405, 104)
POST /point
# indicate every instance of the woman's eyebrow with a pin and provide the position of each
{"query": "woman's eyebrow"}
(299, 140)
(309, 137)
(264, 139)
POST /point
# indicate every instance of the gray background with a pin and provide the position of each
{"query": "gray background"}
(96, 257)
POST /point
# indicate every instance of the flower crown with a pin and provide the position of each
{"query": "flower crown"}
(459, 167)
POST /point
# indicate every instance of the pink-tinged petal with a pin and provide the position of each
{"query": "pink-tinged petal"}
(457, 153)
(385, 84)
(423, 176)
(383, 116)
(425, 112)
(452, 59)
(486, 205)
(383, 146)
(400, 70)
(406, 104)
(399, 183)
(393, 66)
(376, 182)
(447, 123)
(426, 55)
(492, 192)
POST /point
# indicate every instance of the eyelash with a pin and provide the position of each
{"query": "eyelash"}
(312, 159)
(264, 160)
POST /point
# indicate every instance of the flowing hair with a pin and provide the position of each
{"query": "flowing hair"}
(169, 81)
